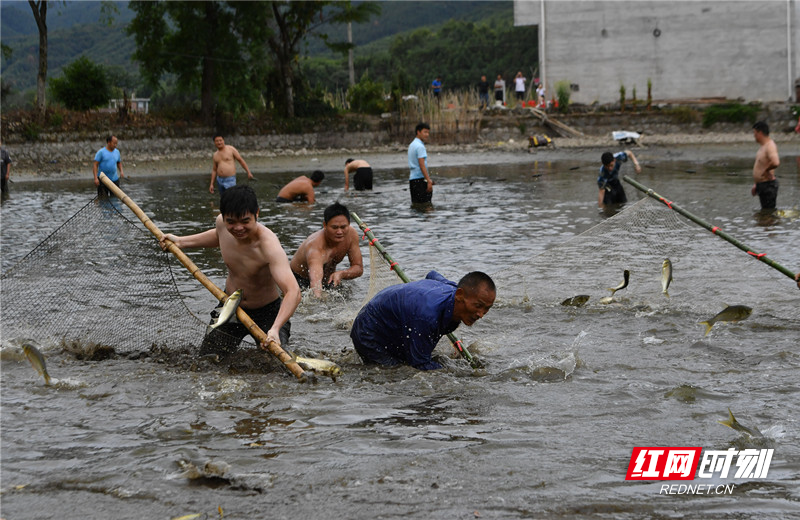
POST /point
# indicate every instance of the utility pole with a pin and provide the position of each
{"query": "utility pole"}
(350, 54)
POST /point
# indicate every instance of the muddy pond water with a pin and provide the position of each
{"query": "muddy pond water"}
(545, 430)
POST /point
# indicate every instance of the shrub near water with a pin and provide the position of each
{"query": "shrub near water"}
(563, 94)
(366, 97)
(730, 113)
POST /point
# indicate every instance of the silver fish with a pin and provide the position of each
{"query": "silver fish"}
(37, 361)
(731, 422)
(728, 314)
(576, 301)
(228, 308)
(322, 366)
(626, 275)
(666, 276)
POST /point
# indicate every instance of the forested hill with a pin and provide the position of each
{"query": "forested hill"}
(83, 28)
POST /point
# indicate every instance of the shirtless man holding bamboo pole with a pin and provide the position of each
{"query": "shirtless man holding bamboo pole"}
(257, 264)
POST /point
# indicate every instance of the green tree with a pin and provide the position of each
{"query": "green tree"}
(292, 22)
(83, 86)
(5, 88)
(214, 48)
(39, 9)
(366, 97)
(458, 51)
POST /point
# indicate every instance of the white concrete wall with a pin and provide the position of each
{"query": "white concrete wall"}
(735, 49)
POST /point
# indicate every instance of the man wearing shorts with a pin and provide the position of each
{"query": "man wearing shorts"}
(257, 264)
(362, 178)
(224, 169)
(765, 185)
(107, 160)
(420, 183)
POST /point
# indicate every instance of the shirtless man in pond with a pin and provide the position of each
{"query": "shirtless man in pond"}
(765, 185)
(314, 264)
(224, 169)
(362, 174)
(301, 189)
(257, 264)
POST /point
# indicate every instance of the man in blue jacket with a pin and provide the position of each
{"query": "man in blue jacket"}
(403, 323)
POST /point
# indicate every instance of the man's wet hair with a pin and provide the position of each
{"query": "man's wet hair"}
(762, 127)
(606, 158)
(422, 126)
(218, 135)
(317, 176)
(109, 138)
(474, 280)
(334, 210)
(348, 161)
(237, 201)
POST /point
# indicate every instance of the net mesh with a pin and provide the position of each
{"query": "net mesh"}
(98, 279)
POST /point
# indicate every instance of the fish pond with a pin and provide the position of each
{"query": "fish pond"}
(545, 429)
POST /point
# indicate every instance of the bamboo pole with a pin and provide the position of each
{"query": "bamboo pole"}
(714, 229)
(402, 275)
(260, 336)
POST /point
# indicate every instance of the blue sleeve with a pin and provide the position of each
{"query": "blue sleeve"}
(99, 155)
(621, 156)
(421, 343)
(433, 275)
(430, 365)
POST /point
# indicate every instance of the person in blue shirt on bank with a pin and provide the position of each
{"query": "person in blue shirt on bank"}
(403, 323)
(420, 183)
(436, 85)
(611, 191)
(108, 160)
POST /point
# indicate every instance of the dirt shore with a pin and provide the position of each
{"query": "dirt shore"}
(693, 148)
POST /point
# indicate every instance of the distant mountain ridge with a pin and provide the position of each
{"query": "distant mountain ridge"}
(75, 29)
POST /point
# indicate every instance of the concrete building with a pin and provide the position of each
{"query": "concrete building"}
(687, 49)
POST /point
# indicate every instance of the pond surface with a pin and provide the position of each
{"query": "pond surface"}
(545, 430)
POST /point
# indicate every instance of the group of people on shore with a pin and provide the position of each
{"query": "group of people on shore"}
(520, 90)
(401, 324)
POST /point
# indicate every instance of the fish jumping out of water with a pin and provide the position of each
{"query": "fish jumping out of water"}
(731, 422)
(228, 308)
(666, 276)
(730, 313)
(626, 275)
(322, 366)
(37, 361)
(576, 301)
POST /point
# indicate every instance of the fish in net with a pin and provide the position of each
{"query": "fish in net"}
(98, 281)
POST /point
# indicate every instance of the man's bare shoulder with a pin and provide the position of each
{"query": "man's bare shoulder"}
(353, 235)
(771, 146)
(266, 233)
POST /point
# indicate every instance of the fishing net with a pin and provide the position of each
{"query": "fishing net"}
(380, 277)
(708, 272)
(101, 280)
